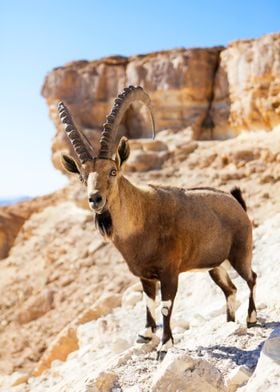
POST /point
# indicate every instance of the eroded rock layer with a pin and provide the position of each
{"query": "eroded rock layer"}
(216, 91)
(247, 86)
(180, 84)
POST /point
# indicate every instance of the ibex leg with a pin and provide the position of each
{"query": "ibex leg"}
(240, 259)
(222, 279)
(169, 286)
(149, 288)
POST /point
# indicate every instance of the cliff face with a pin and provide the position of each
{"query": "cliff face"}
(180, 84)
(216, 91)
(247, 86)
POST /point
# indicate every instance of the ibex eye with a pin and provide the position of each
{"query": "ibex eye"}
(113, 172)
(83, 180)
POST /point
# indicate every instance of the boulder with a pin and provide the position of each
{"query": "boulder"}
(142, 161)
(182, 373)
(266, 376)
(103, 382)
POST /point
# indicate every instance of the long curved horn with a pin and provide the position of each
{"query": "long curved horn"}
(80, 143)
(122, 102)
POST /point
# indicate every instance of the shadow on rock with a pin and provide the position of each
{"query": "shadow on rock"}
(239, 356)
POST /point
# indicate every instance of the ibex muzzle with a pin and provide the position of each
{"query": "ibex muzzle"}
(96, 201)
(162, 231)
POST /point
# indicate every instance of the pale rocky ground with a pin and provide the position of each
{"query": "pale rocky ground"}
(65, 302)
(209, 354)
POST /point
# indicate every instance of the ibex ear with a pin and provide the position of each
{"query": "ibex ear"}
(69, 164)
(122, 152)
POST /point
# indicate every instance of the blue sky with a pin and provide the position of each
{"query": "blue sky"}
(36, 36)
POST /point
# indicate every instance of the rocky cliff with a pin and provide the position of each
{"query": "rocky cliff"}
(180, 83)
(247, 86)
(216, 91)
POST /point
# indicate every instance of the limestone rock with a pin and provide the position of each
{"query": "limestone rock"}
(14, 380)
(266, 376)
(132, 295)
(13, 217)
(36, 306)
(64, 344)
(153, 145)
(141, 161)
(183, 373)
(146, 155)
(237, 378)
(67, 341)
(10, 225)
(217, 92)
(221, 103)
(103, 305)
(247, 86)
(20, 378)
(104, 382)
(179, 82)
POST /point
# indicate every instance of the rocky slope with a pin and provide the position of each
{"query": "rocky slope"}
(12, 218)
(60, 275)
(55, 270)
(217, 91)
(209, 354)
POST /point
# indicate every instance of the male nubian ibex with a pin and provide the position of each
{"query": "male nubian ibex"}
(161, 231)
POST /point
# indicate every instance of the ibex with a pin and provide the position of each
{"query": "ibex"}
(161, 231)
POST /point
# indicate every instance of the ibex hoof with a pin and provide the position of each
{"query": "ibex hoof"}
(163, 348)
(161, 355)
(251, 324)
(252, 319)
(143, 339)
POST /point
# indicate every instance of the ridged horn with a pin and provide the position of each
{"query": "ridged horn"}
(121, 104)
(79, 141)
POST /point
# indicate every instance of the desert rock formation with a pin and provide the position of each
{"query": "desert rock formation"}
(216, 91)
(247, 86)
(179, 93)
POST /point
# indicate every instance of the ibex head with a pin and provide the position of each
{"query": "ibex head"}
(101, 172)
